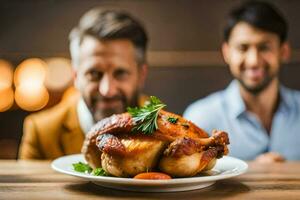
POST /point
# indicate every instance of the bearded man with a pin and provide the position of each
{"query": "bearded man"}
(108, 50)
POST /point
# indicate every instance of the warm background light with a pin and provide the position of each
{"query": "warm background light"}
(31, 97)
(29, 77)
(6, 99)
(6, 74)
(33, 69)
(59, 74)
(6, 91)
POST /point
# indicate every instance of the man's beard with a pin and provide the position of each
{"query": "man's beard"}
(258, 88)
(99, 114)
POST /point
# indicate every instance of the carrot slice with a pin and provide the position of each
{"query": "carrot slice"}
(152, 176)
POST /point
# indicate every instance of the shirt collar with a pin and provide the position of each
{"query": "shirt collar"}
(85, 117)
(286, 99)
(237, 106)
(234, 100)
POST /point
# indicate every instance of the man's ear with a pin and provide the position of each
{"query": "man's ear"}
(285, 51)
(225, 51)
(74, 76)
(143, 72)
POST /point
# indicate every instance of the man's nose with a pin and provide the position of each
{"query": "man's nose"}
(107, 86)
(253, 58)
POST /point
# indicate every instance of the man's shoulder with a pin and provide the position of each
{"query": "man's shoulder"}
(209, 103)
(206, 110)
(292, 96)
(51, 115)
(295, 93)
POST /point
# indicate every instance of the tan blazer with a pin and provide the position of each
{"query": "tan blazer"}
(52, 133)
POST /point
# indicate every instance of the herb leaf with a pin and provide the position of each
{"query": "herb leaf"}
(99, 172)
(173, 120)
(82, 167)
(145, 117)
(85, 168)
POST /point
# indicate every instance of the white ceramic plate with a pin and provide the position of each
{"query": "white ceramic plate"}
(226, 167)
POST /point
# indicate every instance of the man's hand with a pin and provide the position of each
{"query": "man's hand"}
(269, 157)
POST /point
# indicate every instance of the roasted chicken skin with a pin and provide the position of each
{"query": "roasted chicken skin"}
(178, 147)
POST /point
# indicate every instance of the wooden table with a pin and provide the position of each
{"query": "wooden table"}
(36, 180)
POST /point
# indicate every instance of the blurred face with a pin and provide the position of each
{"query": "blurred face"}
(108, 76)
(254, 56)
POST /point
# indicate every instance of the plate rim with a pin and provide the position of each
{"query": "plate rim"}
(243, 167)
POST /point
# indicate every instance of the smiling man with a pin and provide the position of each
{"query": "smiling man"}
(108, 50)
(261, 116)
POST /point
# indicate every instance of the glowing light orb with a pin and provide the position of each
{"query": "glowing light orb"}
(6, 74)
(59, 74)
(31, 97)
(33, 69)
(6, 99)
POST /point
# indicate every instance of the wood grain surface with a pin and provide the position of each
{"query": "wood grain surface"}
(36, 180)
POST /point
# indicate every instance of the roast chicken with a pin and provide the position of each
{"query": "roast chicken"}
(178, 147)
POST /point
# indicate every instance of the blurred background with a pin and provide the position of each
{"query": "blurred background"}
(184, 57)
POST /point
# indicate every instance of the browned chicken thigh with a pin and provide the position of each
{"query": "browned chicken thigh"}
(178, 147)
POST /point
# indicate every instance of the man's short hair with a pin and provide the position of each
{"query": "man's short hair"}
(261, 15)
(109, 25)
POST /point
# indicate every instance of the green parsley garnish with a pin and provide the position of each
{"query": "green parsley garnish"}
(99, 172)
(82, 167)
(173, 120)
(85, 168)
(145, 117)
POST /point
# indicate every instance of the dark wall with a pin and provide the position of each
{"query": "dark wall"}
(41, 27)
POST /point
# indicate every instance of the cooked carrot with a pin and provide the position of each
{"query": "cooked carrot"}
(153, 176)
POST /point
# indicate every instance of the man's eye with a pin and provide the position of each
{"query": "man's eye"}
(264, 47)
(94, 75)
(242, 48)
(121, 74)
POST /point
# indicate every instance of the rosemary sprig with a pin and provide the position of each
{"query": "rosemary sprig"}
(145, 117)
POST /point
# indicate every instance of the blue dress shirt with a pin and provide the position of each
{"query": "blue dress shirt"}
(225, 110)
